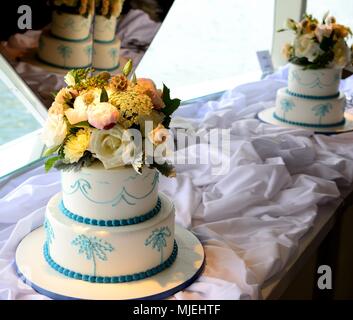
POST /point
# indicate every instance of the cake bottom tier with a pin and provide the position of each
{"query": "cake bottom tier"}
(64, 54)
(311, 112)
(109, 254)
(106, 54)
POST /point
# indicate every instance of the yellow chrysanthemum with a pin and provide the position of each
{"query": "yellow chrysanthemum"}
(76, 145)
(131, 105)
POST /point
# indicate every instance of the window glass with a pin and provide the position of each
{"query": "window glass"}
(205, 45)
(16, 120)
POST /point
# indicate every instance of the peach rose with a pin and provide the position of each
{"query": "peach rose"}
(158, 135)
(149, 88)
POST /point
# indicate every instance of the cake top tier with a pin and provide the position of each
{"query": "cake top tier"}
(318, 83)
(115, 194)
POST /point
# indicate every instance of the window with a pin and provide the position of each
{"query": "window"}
(205, 46)
(22, 116)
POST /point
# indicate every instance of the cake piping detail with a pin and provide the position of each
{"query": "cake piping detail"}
(303, 96)
(310, 125)
(157, 239)
(116, 279)
(49, 233)
(316, 82)
(321, 110)
(286, 105)
(93, 248)
(111, 223)
(84, 186)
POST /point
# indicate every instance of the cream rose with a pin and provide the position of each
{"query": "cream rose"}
(306, 47)
(70, 79)
(111, 146)
(102, 115)
(342, 54)
(158, 135)
(54, 131)
(57, 108)
(79, 112)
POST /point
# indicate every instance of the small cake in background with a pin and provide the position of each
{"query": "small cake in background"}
(106, 46)
(317, 56)
(67, 43)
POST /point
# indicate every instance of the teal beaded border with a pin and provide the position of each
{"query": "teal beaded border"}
(59, 66)
(118, 279)
(111, 223)
(69, 40)
(303, 96)
(308, 124)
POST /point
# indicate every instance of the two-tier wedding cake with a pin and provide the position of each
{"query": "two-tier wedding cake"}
(67, 43)
(109, 233)
(317, 56)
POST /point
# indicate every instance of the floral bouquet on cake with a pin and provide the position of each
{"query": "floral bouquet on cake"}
(108, 8)
(112, 119)
(318, 44)
(81, 7)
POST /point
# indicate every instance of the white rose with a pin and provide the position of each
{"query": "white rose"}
(69, 79)
(112, 147)
(342, 54)
(54, 131)
(306, 47)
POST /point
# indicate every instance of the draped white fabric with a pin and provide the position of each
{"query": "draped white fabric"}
(249, 220)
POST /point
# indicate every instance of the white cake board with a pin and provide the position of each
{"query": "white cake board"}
(34, 270)
(267, 116)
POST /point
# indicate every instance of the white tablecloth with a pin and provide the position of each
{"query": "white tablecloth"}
(249, 220)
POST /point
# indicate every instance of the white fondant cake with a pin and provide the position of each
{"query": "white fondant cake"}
(312, 98)
(68, 42)
(106, 55)
(109, 251)
(118, 193)
(104, 28)
(317, 82)
(71, 26)
(109, 225)
(309, 111)
(64, 53)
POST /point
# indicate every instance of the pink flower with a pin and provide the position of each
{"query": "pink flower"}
(102, 115)
(322, 31)
(149, 88)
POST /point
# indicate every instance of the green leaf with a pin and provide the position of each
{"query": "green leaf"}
(82, 124)
(104, 96)
(170, 105)
(85, 161)
(127, 68)
(166, 168)
(50, 163)
(50, 151)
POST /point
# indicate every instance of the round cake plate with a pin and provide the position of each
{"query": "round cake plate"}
(34, 271)
(267, 116)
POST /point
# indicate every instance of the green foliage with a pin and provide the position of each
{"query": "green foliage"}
(104, 96)
(49, 163)
(50, 151)
(170, 105)
(167, 169)
(85, 161)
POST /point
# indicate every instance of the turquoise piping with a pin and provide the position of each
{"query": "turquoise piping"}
(109, 69)
(69, 40)
(117, 279)
(303, 96)
(61, 67)
(111, 223)
(308, 124)
(104, 41)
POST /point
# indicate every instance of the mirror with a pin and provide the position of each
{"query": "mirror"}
(27, 82)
